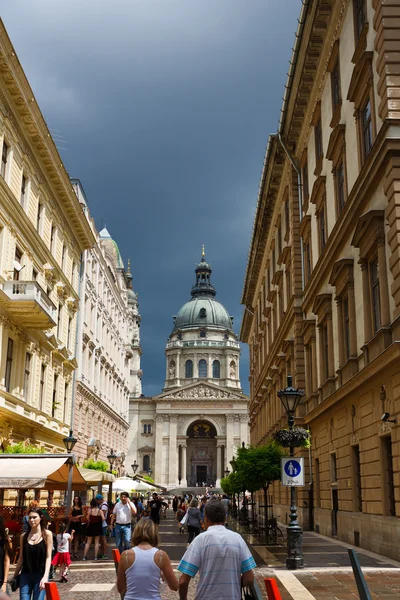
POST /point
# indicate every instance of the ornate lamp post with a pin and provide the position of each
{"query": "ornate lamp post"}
(112, 457)
(135, 467)
(69, 443)
(226, 472)
(290, 399)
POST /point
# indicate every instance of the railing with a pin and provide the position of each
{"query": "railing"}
(203, 344)
(29, 290)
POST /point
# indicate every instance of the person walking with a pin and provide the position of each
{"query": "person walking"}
(95, 523)
(155, 508)
(220, 547)
(62, 558)
(225, 502)
(75, 518)
(193, 521)
(175, 505)
(122, 515)
(180, 513)
(35, 557)
(5, 556)
(142, 569)
(102, 504)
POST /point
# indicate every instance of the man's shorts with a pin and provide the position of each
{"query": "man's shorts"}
(156, 520)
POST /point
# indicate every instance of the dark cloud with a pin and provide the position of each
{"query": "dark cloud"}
(166, 107)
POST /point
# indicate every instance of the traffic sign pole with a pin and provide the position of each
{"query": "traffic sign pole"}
(294, 558)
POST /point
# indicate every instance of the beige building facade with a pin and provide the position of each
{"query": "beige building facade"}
(108, 350)
(43, 232)
(187, 435)
(322, 287)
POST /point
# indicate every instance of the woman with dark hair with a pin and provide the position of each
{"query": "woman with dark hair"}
(35, 557)
(5, 556)
(75, 518)
(95, 519)
(193, 520)
(141, 569)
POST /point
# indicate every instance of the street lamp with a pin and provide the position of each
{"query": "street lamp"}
(290, 398)
(226, 472)
(112, 457)
(135, 467)
(69, 443)
(149, 472)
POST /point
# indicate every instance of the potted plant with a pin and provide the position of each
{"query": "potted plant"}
(298, 437)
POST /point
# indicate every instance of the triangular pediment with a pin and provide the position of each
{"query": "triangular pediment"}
(202, 391)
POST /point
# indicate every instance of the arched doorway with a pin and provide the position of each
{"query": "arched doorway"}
(201, 454)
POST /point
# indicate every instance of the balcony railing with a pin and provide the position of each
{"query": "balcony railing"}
(29, 304)
(203, 344)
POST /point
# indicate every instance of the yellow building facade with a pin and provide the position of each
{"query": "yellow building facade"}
(43, 232)
(322, 286)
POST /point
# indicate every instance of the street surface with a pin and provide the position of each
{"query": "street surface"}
(327, 574)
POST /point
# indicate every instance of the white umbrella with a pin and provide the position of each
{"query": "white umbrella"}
(127, 484)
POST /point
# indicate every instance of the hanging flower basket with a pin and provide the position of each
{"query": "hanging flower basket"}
(298, 437)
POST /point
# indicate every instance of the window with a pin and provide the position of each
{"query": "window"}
(287, 218)
(27, 374)
(317, 486)
(52, 239)
(346, 327)
(9, 361)
(54, 403)
(189, 369)
(203, 368)
(325, 349)
(279, 235)
(366, 127)
(146, 463)
(4, 157)
(41, 387)
(318, 142)
(375, 294)
(23, 191)
(288, 286)
(306, 187)
(63, 256)
(17, 260)
(69, 332)
(146, 428)
(360, 17)
(307, 261)
(340, 189)
(39, 217)
(388, 476)
(34, 274)
(216, 369)
(322, 227)
(335, 84)
(66, 390)
(357, 488)
(59, 320)
(202, 333)
(333, 468)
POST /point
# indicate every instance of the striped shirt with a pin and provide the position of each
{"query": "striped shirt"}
(221, 556)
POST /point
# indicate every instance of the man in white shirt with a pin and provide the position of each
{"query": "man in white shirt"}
(221, 556)
(122, 514)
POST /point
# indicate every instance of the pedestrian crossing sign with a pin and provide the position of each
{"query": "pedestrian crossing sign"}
(292, 471)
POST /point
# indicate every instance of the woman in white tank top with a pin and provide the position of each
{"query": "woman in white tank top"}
(141, 569)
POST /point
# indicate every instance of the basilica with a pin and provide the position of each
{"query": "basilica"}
(187, 435)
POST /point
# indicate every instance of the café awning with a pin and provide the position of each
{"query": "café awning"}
(91, 476)
(28, 471)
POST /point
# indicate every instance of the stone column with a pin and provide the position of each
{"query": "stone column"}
(229, 441)
(184, 467)
(219, 464)
(173, 451)
(383, 283)
(158, 460)
(244, 429)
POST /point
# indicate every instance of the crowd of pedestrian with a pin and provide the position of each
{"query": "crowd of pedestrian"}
(135, 523)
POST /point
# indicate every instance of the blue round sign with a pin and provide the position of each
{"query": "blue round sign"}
(292, 468)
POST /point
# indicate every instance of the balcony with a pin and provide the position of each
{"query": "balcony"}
(27, 304)
(203, 344)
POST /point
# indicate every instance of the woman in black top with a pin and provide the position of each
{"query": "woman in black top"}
(76, 516)
(193, 520)
(35, 558)
(5, 556)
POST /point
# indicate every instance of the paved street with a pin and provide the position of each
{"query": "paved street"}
(327, 574)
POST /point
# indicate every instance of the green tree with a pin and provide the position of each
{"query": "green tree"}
(148, 478)
(23, 448)
(97, 465)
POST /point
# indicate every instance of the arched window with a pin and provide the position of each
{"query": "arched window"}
(144, 428)
(149, 428)
(202, 368)
(188, 369)
(216, 369)
(146, 462)
(202, 333)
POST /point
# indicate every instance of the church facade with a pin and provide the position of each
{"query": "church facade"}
(187, 435)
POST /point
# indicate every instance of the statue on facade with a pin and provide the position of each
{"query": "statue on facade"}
(172, 370)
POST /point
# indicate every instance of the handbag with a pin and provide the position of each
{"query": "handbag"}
(184, 518)
(15, 583)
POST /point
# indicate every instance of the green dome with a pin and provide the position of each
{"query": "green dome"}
(203, 311)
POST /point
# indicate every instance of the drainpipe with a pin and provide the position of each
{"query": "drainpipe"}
(296, 167)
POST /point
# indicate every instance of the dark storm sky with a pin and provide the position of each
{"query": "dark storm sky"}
(166, 107)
